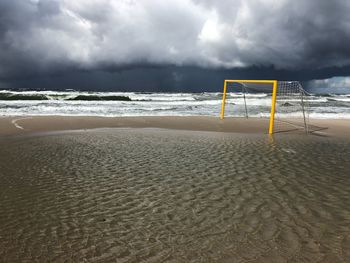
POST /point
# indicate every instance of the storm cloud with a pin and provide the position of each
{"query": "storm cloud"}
(282, 38)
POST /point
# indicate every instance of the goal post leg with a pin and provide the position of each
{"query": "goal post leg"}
(303, 108)
(273, 107)
(223, 101)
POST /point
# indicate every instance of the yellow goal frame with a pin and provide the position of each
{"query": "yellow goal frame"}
(274, 84)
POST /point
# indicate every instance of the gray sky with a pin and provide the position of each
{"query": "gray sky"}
(170, 45)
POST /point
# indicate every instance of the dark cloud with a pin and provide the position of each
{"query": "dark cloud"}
(171, 78)
(170, 43)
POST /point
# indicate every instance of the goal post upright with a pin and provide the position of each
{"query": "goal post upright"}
(223, 101)
(273, 106)
(274, 96)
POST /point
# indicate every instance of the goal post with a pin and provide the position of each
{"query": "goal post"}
(288, 109)
(274, 84)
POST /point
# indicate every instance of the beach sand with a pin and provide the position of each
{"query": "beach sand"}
(36, 124)
(187, 193)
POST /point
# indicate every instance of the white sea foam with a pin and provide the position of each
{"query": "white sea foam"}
(162, 104)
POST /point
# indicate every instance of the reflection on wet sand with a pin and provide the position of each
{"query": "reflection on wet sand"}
(174, 196)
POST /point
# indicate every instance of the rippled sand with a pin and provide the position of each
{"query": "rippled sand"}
(131, 195)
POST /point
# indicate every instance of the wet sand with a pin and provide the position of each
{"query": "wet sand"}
(28, 125)
(198, 189)
(153, 195)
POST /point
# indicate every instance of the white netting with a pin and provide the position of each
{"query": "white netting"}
(292, 109)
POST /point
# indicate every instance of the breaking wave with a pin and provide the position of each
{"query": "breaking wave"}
(111, 104)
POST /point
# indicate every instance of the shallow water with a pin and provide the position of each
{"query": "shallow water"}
(131, 195)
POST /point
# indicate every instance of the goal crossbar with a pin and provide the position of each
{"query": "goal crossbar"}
(274, 84)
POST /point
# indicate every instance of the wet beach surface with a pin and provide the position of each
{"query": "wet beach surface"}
(131, 195)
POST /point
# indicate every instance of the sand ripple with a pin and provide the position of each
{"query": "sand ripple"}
(131, 195)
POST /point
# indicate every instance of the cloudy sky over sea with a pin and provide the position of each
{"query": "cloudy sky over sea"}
(174, 45)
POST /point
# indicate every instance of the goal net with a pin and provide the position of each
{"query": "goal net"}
(284, 103)
(291, 108)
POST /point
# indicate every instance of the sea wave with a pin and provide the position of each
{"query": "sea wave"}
(39, 97)
(111, 104)
(10, 96)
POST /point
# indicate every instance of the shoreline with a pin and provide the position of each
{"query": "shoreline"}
(20, 125)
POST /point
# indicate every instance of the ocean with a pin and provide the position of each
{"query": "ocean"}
(114, 104)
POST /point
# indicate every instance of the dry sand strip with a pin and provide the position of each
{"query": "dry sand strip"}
(38, 124)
